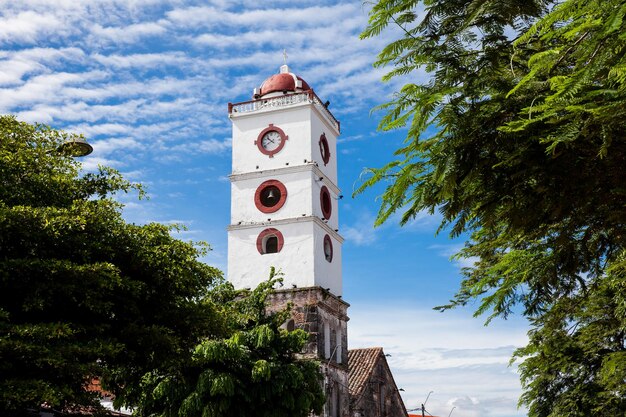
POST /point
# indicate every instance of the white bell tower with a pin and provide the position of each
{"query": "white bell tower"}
(284, 213)
(284, 193)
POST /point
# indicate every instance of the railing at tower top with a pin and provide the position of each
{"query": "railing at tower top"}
(284, 101)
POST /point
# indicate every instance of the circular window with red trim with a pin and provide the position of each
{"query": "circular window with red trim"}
(328, 248)
(324, 148)
(270, 196)
(271, 140)
(269, 241)
(325, 202)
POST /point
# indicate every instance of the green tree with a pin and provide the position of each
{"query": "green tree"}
(529, 158)
(252, 372)
(84, 294)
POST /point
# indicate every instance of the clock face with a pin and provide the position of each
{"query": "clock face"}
(271, 140)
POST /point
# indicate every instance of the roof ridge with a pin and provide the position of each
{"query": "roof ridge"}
(367, 348)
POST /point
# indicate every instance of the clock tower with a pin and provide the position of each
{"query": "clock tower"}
(284, 213)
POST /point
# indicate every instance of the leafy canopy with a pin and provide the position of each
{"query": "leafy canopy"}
(529, 102)
(252, 372)
(84, 294)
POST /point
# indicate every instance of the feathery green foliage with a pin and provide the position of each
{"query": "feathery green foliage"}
(529, 158)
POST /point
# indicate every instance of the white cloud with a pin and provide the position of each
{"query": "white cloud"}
(350, 138)
(276, 36)
(45, 89)
(27, 26)
(14, 65)
(82, 111)
(174, 58)
(107, 146)
(452, 354)
(422, 221)
(135, 175)
(209, 146)
(450, 250)
(300, 17)
(92, 162)
(361, 233)
(90, 130)
(11, 72)
(127, 34)
(110, 76)
(215, 146)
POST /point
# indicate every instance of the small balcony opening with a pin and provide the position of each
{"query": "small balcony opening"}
(271, 244)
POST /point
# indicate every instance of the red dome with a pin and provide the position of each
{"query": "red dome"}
(283, 82)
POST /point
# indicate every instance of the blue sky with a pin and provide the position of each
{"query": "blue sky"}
(148, 82)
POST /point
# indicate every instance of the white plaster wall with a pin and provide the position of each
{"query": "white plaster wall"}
(328, 273)
(316, 186)
(294, 121)
(303, 198)
(301, 258)
(247, 267)
(317, 128)
(298, 202)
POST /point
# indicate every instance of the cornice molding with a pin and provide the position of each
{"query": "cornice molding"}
(278, 222)
(311, 166)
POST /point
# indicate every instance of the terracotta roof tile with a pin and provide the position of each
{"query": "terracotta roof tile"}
(96, 386)
(361, 364)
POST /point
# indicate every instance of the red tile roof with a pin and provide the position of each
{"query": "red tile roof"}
(360, 366)
(95, 386)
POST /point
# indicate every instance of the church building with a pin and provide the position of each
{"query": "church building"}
(284, 213)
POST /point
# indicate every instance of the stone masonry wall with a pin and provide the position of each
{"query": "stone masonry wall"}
(321, 314)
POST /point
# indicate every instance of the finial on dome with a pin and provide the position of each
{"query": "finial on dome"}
(284, 69)
(285, 82)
